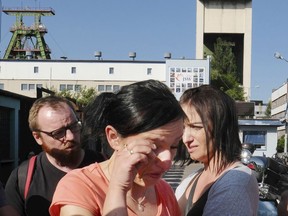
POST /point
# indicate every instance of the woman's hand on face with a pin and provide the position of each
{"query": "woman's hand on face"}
(129, 160)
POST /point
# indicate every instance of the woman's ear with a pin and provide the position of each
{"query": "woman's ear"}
(113, 137)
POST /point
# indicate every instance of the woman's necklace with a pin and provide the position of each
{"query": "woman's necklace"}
(140, 204)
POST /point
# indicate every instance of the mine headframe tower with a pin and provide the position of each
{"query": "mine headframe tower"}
(28, 42)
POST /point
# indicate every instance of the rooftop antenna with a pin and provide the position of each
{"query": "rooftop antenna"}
(167, 55)
(28, 39)
(98, 54)
(132, 55)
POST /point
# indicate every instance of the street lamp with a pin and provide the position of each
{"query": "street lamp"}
(279, 56)
(285, 119)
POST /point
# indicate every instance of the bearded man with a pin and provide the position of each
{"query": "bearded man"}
(56, 128)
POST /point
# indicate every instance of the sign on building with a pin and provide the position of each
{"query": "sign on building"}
(183, 74)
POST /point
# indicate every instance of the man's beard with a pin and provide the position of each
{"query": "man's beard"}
(64, 157)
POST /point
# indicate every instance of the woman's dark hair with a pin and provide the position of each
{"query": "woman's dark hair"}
(218, 114)
(93, 134)
(136, 108)
(142, 106)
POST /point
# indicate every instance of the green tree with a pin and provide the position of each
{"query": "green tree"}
(82, 97)
(85, 96)
(268, 110)
(224, 70)
(280, 144)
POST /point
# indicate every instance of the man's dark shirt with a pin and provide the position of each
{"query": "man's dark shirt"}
(2, 196)
(43, 184)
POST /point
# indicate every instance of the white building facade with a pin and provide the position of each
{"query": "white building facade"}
(279, 106)
(260, 109)
(24, 76)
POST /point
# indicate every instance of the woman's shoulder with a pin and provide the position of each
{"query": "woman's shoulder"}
(82, 180)
(239, 175)
(83, 174)
(84, 187)
(240, 170)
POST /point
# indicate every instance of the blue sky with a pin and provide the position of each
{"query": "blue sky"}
(151, 28)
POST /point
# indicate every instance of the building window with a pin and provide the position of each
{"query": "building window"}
(69, 87)
(73, 70)
(101, 88)
(116, 88)
(39, 85)
(108, 88)
(24, 87)
(258, 138)
(149, 71)
(111, 70)
(77, 88)
(2, 86)
(31, 87)
(62, 87)
(36, 69)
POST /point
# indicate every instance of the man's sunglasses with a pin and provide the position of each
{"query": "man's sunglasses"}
(61, 132)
